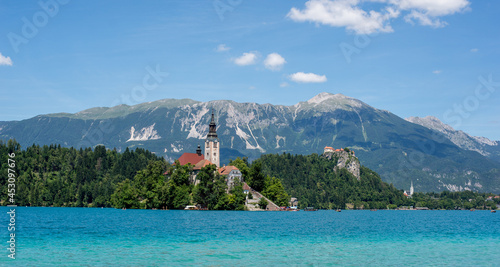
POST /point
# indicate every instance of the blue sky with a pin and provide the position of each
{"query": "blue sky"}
(411, 57)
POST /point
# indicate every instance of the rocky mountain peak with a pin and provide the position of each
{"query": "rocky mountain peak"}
(322, 97)
(328, 102)
(431, 122)
(459, 138)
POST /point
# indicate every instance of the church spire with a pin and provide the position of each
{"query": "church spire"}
(212, 128)
(212, 143)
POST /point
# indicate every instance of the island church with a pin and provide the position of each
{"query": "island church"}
(211, 155)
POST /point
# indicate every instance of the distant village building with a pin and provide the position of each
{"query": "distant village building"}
(210, 156)
(409, 194)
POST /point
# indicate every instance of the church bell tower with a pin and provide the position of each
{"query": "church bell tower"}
(212, 143)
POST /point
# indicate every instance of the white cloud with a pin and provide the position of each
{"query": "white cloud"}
(283, 84)
(246, 59)
(274, 61)
(301, 77)
(437, 72)
(351, 15)
(222, 48)
(426, 12)
(424, 20)
(344, 13)
(433, 7)
(474, 50)
(5, 60)
(251, 88)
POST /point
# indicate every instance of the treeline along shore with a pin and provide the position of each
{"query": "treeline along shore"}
(67, 177)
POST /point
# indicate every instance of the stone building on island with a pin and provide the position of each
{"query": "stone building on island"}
(232, 174)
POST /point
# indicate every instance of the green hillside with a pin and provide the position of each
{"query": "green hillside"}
(314, 182)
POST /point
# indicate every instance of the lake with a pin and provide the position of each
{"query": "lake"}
(103, 237)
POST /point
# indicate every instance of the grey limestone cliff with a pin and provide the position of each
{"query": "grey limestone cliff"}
(345, 159)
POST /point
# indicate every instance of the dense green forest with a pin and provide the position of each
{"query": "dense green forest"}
(67, 177)
(312, 180)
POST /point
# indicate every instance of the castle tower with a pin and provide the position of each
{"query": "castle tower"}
(212, 143)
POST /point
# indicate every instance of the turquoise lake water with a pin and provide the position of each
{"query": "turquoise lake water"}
(110, 237)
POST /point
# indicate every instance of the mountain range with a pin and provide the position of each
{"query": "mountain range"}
(482, 145)
(424, 151)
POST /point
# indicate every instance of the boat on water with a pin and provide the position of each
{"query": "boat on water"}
(493, 211)
(338, 210)
(191, 207)
(289, 208)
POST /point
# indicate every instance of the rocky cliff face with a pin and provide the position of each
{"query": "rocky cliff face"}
(345, 160)
(400, 151)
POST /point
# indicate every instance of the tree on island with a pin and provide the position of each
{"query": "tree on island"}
(125, 196)
(263, 203)
(176, 193)
(257, 179)
(275, 191)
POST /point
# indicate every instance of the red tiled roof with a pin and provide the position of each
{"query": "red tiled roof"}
(226, 170)
(328, 147)
(202, 163)
(246, 187)
(192, 158)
